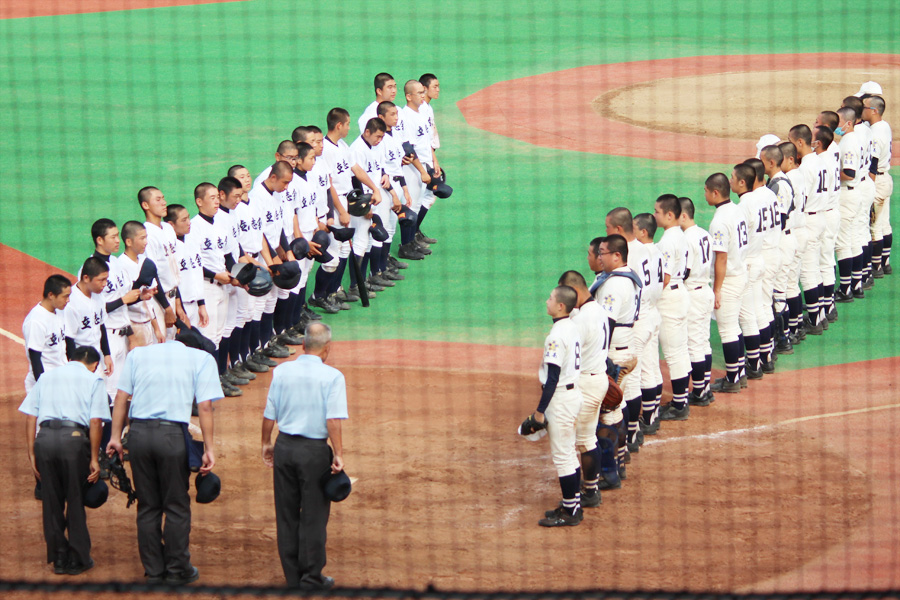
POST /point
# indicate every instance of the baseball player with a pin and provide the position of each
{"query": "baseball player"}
(851, 174)
(190, 268)
(796, 225)
(829, 152)
(729, 238)
(385, 90)
(593, 330)
(772, 158)
(85, 315)
(882, 234)
(867, 191)
(415, 129)
(629, 345)
(161, 250)
(702, 300)
(432, 92)
(768, 213)
(561, 403)
(140, 272)
(814, 172)
(44, 330)
(645, 227)
(674, 305)
(392, 163)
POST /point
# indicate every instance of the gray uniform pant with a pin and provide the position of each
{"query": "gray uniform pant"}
(301, 509)
(159, 466)
(64, 461)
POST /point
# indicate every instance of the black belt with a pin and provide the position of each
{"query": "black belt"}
(254, 254)
(569, 386)
(699, 287)
(786, 232)
(674, 286)
(848, 187)
(123, 331)
(820, 212)
(60, 423)
(172, 293)
(621, 348)
(157, 422)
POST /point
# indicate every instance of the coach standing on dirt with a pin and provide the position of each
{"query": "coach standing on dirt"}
(308, 400)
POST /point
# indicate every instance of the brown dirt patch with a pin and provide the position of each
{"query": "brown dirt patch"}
(18, 9)
(694, 109)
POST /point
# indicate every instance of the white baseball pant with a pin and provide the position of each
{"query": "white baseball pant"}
(673, 306)
(593, 390)
(851, 201)
(731, 300)
(217, 308)
(884, 187)
(826, 252)
(810, 271)
(561, 416)
(698, 318)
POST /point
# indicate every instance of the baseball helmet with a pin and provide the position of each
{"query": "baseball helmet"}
(342, 234)
(321, 238)
(406, 215)
(95, 494)
(300, 248)
(440, 189)
(336, 486)
(243, 272)
(409, 149)
(286, 275)
(358, 203)
(192, 338)
(261, 283)
(208, 487)
(377, 230)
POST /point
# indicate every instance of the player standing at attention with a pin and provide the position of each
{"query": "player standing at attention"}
(85, 315)
(44, 330)
(645, 227)
(190, 268)
(414, 128)
(140, 272)
(161, 250)
(850, 201)
(796, 224)
(385, 90)
(882, 234)
(729, 238)
(743, 178)
(822, 144)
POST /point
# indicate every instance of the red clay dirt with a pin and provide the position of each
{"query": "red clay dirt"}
(741, 497)
(554, 110)
(19, 9)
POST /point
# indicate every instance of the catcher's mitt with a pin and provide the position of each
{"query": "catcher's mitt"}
(118, 478)
(532, 429)
(613, 398)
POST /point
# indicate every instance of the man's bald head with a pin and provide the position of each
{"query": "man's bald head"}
(316, 337)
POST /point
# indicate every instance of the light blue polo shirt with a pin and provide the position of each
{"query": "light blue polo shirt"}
(70, 393)
(164, 379)
(303, 394)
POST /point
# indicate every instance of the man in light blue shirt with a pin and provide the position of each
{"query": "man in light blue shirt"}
(308, 400)
(70, 403)
(162, 382)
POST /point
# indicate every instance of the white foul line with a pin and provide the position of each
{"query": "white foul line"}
(733, 432)
(12, 336)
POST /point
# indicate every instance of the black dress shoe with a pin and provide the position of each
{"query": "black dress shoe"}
(78, 568)
(183, 578)
(324, 583)
(59, 566)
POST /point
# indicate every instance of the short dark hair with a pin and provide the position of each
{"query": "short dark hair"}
(172, 212)
(621, 217)
(234, 169)
(801, 132)
(304, 149)
(314, 128)
(788, 150)
(758, 167)
(229, 184)
(847, 113)
(595, 244)
(144, 194)
(687, 206)
(617, 243)
(746, 173)
(286, 145)
(301, 133)
(669, 204)
(718, 182)
(100, 228)
(87, 355)
(830, 118)
(825, 136)
(55, 285)
(130, 229)
(573, 279)
(375, 124)
(202, 188)
(877, 102)
(93, 267)
(282, 169)
(381, 80)
(854, 103)
(427, 78)
(647, 222)
(335, 117)
(774, 153)
(384, 107)
(567, 296)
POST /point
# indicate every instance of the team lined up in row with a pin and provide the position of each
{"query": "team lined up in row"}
(800, 202)
(294, 213)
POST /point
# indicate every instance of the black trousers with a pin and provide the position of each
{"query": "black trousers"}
(64, 462)
(159, 466)
(301, 509)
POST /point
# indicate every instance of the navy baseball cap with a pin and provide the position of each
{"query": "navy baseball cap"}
(321, 237)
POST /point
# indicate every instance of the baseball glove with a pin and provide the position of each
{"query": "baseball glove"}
(613, 398)
(118, 478)
(530, 425)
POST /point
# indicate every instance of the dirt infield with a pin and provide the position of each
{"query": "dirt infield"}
(695, 109)
(19, 9)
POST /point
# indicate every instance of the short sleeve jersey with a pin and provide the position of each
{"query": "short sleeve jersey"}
(639, 261)
(249, 226)
(45, 332)
(593, 328)
(212, 239)
(674, 250)
(370, 112)
(83, 317)
(142, 310)
(270, 211)
(391, 155)
(337, 158)
(801, 195)
(117, 285)
(831, 157)
(563, 349)
(416, 130)
(700, 264)
(728, 233)
(320, 179)
(783, 188)
(369, 158)
(881, 145)
(758, 220)
(190, 267)
(304, 202)
(851, 157)
(619, 297)
(429, 112)
(868, 145)
(161, 250)
(815, 171)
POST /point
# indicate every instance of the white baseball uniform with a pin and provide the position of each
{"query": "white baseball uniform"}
(593, 329)
(161, 250)
(832, 159)
(783, 188)
(674, 303)
(647, 326)
(190, 269)
(44, 331)
(851, 194)
(884, 183)
(702, 299)
(815, 173)
(212, 239)
(562, 347)
(414, 128)
(369, 158)
(336, 157)
(728, 234)
(142, 312)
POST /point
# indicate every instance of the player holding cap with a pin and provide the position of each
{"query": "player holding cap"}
(44, 330)
(161, 250)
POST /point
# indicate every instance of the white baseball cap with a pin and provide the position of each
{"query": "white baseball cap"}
(869, 87)
(770, 139)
